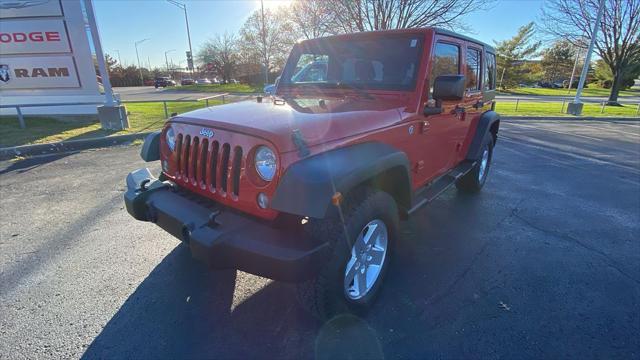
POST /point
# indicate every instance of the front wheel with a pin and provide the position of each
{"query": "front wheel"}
(362, 248)
(474, 180)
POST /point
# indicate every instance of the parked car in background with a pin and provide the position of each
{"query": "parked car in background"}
(204, 81)
(187, 81)
(270, 89)
(234, 81)
(164, 82)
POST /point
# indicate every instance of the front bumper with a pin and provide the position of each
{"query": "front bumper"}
(223, 238)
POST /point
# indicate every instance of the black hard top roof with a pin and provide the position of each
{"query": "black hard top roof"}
(488, 47)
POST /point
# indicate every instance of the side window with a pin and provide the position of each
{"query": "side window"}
(446, 61)
(472, 71)
(490, 73)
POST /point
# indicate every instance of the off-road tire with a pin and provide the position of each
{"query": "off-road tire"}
(324, 295)
(471, 181)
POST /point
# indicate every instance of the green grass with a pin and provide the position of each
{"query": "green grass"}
(150, 116)
(231, 88)
(40, 130)
(554, 109)
(590, 91)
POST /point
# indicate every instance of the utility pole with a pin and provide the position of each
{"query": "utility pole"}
(186, 20)
(264, 46)
(575, 107)
(138, 57)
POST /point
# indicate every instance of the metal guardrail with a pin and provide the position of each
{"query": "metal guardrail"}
(564, 103)
(223, 96)
(164, 102)
(23, 124)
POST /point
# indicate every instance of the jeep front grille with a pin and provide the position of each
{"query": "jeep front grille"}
(209, 164)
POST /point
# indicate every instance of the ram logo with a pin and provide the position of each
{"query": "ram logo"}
(206, 132)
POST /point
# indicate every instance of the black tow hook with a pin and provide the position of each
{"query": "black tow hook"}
(212, 219)
(143, 184)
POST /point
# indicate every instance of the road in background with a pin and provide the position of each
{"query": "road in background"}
(150, 93)
(543, 263)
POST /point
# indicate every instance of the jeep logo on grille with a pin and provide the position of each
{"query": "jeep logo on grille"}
(206, 132)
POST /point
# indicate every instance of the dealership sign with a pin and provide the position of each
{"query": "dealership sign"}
(39, 36)
(38, 73)
(29, 8)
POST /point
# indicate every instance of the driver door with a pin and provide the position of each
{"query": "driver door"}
(439, 141)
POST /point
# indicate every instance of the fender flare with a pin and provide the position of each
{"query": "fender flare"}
(151, 148)
(486, 122)
(307, 186)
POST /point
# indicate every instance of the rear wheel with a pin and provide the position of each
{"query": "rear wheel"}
(474, 180)
(361, 251)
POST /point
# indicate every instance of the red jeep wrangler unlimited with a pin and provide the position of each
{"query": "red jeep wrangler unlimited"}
(309, 185)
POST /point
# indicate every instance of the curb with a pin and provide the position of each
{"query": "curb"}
(69, 146)
(596, 118)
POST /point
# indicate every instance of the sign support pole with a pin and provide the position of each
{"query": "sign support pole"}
(95, 36)
(575, 107)
(112, 115)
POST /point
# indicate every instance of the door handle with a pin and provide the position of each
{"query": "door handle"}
(460, 112)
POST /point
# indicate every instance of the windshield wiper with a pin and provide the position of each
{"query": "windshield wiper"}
(359, 90)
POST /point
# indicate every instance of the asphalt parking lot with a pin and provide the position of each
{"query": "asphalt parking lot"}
(544, 263)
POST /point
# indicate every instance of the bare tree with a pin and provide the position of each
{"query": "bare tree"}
(618, 39)
(267, 43)
(312, 18)
(221, 53)
(368, 15)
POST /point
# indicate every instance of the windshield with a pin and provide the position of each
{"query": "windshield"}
(385, 62)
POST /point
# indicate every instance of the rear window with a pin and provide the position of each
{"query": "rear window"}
(472, 71)
(490, 73)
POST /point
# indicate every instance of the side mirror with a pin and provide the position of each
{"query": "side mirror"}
(445, 87)
(448, 87)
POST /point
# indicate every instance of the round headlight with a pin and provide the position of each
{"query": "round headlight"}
(265, 163)
(171, 139)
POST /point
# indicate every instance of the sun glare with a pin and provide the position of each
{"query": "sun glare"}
(274, 4)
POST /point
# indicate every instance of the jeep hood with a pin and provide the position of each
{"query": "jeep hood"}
(318, 121)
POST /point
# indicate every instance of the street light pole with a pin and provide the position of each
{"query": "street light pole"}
(165, 58)
(138, 57)
(575, 107)
(575, 65)
(264, 46)
(119, 60)
(186, 20)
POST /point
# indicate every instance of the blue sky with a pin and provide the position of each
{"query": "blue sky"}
(123, 22)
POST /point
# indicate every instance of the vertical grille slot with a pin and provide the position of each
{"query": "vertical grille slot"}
(235, 170)
(215, 146)
(224, 166)
(204, 151)
(179, 154)
(187, 152)
(195, 152)
(193, 165)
